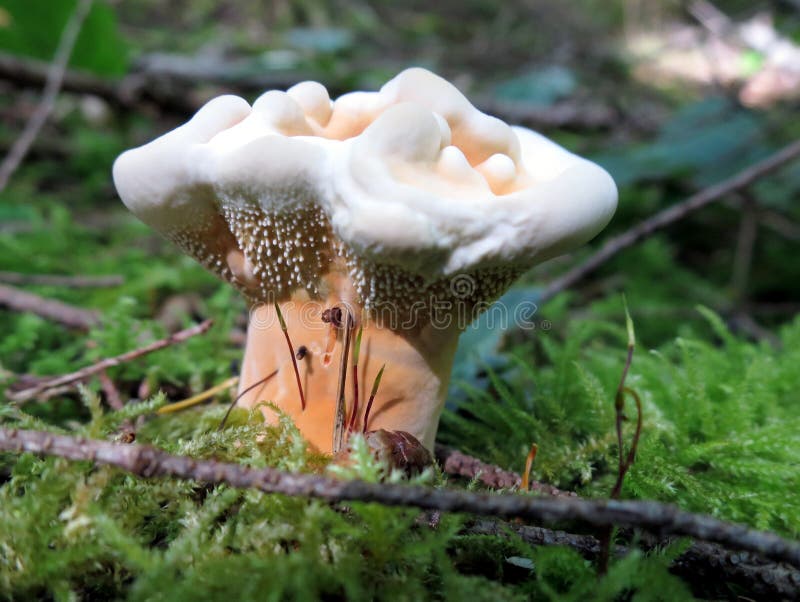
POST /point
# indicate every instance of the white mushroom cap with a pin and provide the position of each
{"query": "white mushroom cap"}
(410, 179)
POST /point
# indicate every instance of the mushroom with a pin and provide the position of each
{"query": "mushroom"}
(407, 210)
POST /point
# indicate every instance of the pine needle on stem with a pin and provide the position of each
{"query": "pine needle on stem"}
(526, 476)
(199, 398)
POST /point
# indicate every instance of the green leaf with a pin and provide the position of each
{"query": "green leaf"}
(541, 87)
(629, 323)
(708, 141)
(33, 28)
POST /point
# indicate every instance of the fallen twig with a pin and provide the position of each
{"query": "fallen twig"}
(29, 72)
(670, 215)
(89, 371)
(113, 398)
(169, 83)
(55, 76)
(50, 309)
(148, 83)
(664, 519)
(711, 570)
(58, 280)
(457, 463)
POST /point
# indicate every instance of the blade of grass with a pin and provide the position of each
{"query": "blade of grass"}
(375, 385)
(356, 351)
(341, 407)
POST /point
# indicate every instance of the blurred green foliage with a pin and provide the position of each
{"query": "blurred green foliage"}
(33, 28)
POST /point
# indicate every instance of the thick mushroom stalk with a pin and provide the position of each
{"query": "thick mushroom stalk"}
(405, 211)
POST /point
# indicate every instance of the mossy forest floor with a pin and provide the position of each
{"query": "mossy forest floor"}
(717, 363)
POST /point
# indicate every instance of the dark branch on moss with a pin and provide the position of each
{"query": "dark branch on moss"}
(709, 569)
(172, 88)
(78, 281)
(89, 371)
(50, 309)
(654, 517)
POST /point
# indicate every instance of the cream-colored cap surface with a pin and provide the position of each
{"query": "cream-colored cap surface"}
(411, 176)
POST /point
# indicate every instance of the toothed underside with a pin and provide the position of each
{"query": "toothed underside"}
(287, 251)
(294, 251)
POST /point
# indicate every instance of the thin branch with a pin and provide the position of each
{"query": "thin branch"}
(58, 280)
(670, 215)
(781, 224)
(127, 428)
(714, 572)
(586, 545)
(654, 517)
(113, 398)
(89, 371)
(27, 72)
(745, 246)
(708, 568)
(55, 76)
(457, 463)
(173, 89)
(170, 88)
(242, 394)
(50, 309)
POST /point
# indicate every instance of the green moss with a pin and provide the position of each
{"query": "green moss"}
(721, 431)
(719, 437)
